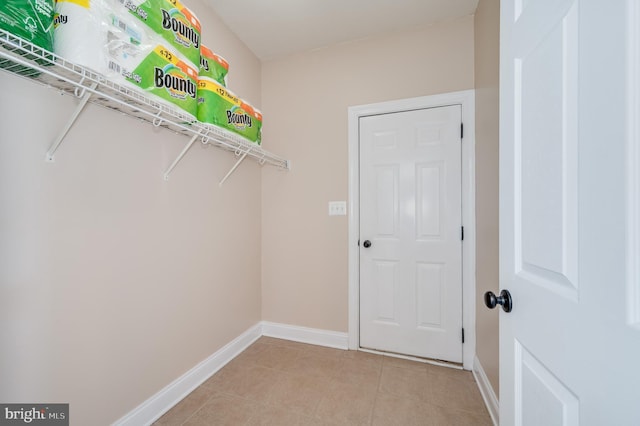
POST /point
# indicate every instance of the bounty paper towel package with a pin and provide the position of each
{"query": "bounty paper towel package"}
(213, 66)
(219, 106)
(107, 39)
(171, 20)
(31, 20)
(80, 32)
(158, 71)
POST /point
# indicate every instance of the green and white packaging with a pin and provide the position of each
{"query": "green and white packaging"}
(31, 20)
(219, 106)
(101, 35)
(161, 72)
(172, 21)
(213, 66)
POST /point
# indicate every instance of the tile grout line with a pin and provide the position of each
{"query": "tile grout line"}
(195, 411)
(306, 357)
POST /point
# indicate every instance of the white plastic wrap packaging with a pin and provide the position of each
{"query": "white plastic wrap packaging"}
(171, 21)
(78, 34)
(110, 41)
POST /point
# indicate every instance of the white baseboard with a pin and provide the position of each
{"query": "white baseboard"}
(489, 396)
(151, 410)
(314, 336)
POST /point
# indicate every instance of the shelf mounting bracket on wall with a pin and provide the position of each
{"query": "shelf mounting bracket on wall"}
(84, 96)
(235, 166)
(203, 132)
(24, 59)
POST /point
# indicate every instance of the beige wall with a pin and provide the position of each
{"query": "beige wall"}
(305, 100)
(487, 29)
(113, 282)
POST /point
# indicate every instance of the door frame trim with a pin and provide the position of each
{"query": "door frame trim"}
(466, 99)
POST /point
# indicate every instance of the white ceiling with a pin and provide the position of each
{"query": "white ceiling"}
(274, 28)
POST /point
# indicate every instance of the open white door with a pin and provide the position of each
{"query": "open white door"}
(570, 348)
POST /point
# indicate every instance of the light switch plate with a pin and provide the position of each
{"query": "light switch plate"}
(337, 208)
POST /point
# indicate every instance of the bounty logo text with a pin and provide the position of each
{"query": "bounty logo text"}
(176, 22)
(239, 119)
(173, 80)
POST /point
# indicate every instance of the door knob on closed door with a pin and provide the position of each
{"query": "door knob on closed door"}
(491, 300)
(366, 244)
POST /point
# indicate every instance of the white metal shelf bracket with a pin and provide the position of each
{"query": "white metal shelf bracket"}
(25, 59)
(184, 151)
(85, 96)
(235, 166)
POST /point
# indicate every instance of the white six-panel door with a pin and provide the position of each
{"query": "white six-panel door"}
(410, 212)
(570, 349)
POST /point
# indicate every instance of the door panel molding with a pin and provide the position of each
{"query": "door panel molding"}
(545, 187)
(429, 222)
(467, 100)
(534, 382)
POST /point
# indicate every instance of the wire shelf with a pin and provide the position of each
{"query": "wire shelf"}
(26, 60)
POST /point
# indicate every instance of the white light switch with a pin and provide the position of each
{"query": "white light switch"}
(337, 208)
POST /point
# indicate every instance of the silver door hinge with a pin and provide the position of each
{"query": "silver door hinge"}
(463, 335)
(462, 233)
(461, 130)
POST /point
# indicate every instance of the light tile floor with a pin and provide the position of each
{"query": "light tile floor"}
(278, 382)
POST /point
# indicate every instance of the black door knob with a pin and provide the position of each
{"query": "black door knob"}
(366, 244)
(491, 300)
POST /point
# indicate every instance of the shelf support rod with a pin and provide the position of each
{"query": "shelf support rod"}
(179, 157)
(56, 144)
(233, 169)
